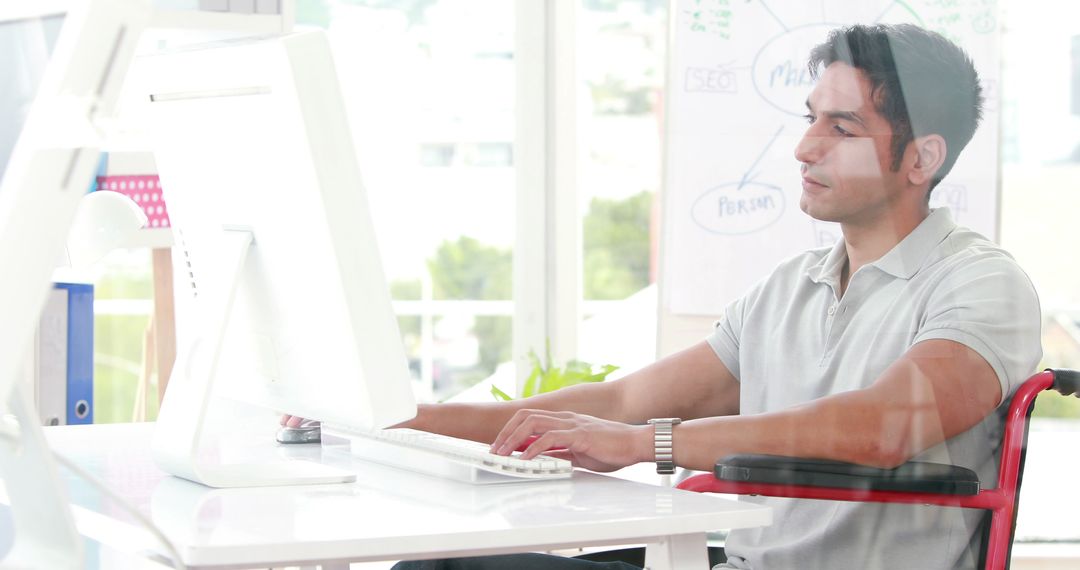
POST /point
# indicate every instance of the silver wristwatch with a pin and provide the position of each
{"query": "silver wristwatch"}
(662, 446)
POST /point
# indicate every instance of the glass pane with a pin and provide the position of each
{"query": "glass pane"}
(1040, 123)
(123, 304)
(621, 69)
(430, 92)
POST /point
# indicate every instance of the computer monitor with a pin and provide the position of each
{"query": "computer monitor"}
(274, 241)
(49, 153)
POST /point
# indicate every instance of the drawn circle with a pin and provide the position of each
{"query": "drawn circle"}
(779, 71)
(729, 209)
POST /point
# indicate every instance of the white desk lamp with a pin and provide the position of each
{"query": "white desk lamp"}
(104, 221)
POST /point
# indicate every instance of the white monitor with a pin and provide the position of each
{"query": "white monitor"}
(290, 308)
(49, 151)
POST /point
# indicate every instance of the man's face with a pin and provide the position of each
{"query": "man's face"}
(845, 152)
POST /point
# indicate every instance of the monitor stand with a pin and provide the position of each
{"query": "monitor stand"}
(179, 430)
(45, 535)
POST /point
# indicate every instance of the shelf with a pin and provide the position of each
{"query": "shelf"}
(152, 238)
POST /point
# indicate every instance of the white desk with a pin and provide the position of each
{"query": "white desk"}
(387, 514)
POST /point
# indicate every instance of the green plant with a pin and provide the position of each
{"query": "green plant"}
(547, 378)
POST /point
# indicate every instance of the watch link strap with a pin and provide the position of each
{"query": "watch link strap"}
(662, 444)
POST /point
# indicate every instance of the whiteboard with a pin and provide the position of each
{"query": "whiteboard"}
(737, 86)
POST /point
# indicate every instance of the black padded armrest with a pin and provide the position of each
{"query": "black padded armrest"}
(1067, 382)
(915, 477)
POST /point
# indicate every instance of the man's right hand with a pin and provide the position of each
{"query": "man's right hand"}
(291, 421)
(593, 443)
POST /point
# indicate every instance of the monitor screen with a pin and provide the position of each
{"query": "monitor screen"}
(251, 139)
(26, 44)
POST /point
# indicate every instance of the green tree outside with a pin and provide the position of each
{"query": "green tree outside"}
(616, 247)
(118, 346)
(616, 265)
(467, 269)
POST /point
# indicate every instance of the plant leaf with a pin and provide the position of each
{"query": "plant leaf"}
(579, 367)
(552, 380)
(532, 383)
(499, 394)
(544, 377)
(607, 369)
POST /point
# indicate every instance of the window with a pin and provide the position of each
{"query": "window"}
(1041, 147)
(621, 75)
(123, 293)
(430, 91)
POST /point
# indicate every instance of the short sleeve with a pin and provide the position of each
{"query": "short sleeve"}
(724, 339)
(727, 335)
(990, 306)
(727, 331)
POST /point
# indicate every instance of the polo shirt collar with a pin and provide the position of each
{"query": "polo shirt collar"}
(902, 261)
(906, 258)
(828, 269)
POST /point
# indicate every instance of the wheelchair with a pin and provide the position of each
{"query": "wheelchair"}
(913, 482)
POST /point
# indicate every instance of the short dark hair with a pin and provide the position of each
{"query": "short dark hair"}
(921, 82)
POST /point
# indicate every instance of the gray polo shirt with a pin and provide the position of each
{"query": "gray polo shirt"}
(792, 339)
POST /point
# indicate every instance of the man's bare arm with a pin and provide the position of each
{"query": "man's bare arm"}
(937, 390)
(693, 383)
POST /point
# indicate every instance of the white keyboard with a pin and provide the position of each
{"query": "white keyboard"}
(450, 457)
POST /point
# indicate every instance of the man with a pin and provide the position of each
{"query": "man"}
(898, 343)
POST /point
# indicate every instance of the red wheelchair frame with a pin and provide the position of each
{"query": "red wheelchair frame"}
(1002, 502)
